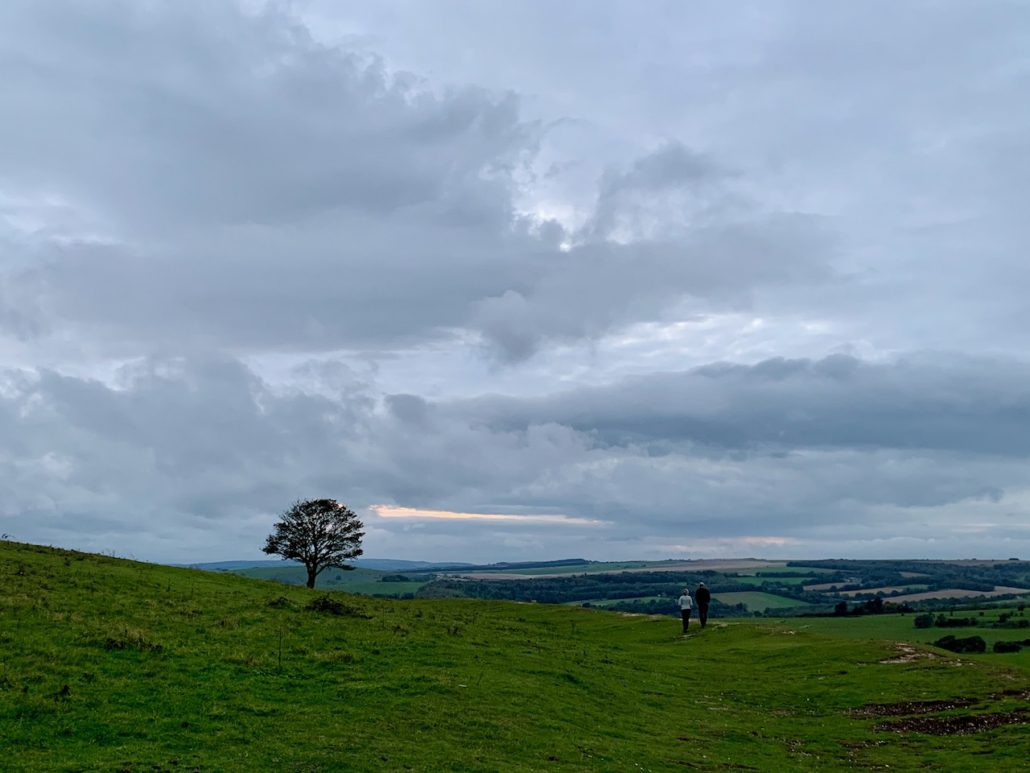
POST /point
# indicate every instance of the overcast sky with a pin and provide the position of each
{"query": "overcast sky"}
(517, 280)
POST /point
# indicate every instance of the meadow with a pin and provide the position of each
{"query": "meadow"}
(902, 628)
(108, 664)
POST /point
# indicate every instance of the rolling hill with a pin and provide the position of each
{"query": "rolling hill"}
(107, 664)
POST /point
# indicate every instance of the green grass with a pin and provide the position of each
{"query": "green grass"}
(115, 665)
(756, 601)
(902, 628)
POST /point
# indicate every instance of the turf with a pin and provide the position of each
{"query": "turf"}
(116, 665)
(902, 628)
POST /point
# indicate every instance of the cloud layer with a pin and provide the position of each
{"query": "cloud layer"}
(691, 281)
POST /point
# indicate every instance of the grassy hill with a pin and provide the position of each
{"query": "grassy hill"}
(108, 664)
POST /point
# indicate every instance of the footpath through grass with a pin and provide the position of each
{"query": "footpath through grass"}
(115, 665)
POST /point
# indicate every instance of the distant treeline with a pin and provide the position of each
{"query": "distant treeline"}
(935, 575)
(561, 590)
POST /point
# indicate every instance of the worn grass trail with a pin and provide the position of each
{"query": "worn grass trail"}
(114, 665)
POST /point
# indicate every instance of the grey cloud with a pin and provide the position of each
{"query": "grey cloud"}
(599, 286)
(940, 402)
(231, 183)
(205, 444)
(690, 185)
(166, 114)
(189, 183)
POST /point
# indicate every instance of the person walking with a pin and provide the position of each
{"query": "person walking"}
(685, 606)
(703, 596)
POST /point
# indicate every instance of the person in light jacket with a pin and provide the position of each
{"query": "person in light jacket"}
(685, 606)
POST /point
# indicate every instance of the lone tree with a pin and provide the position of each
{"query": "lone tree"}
(320, 533)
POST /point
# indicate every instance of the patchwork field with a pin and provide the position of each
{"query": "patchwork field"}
(756, 601)
(759, 579)
(956, 593)
(884, 589)
(829, 586)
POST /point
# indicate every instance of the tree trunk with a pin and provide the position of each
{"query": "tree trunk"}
(312, 574)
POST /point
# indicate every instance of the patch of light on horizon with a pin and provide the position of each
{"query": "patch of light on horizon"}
(391, 511)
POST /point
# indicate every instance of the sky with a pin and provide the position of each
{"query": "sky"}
(517, 280)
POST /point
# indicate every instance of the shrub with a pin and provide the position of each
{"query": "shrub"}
(924, 621)
(328, 605)
(954, 622)
(1007, 646)
(968, 644)
(131, 640)
(1011, 623)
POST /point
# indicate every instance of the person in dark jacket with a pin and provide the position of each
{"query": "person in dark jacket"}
(703, 597)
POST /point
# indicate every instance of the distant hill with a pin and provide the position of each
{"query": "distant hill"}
(382, 564)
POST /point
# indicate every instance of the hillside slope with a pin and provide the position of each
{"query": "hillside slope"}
(108, 664)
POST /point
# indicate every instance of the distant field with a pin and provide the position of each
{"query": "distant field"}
(559, 571)
(550, 572)
(757, 601)
(603, 603)
(884, 589)
(822, 586)
(957, 593)
(759, 579)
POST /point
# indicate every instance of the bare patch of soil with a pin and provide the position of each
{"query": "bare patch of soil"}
(966, 724)
(908, 653)
(906, 708)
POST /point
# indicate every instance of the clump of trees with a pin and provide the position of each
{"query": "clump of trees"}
(943, 621)
(319, 533)
(970, 644)
(1008, 646)
(871, 607)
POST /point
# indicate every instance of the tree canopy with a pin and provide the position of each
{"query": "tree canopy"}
(319, 533)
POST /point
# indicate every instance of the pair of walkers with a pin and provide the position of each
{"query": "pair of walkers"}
(703, 597)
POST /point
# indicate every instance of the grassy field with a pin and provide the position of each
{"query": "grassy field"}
(902, 628)
(757, 601)
(758, 580)
(108, 664)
